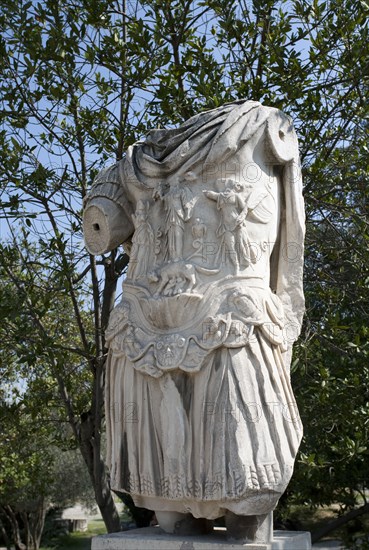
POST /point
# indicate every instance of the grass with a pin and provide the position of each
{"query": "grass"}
(78, 541)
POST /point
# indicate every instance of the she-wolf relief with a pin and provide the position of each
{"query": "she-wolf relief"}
(200, 342)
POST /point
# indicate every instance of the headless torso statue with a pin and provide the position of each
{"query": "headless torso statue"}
(201, 418)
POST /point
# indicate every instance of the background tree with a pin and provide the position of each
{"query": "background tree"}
(332, 373)
(35, 474)
(39, 468)
(80, 82)
(25, 475)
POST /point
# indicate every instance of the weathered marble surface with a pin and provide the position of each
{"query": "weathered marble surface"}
(201, 416)
(152, 538)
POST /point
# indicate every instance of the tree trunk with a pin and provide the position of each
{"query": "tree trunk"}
(33, 526)
(105, 502)
(91, 453)
(26, 531)
(12, 517)
(36, 522)
(4, 534)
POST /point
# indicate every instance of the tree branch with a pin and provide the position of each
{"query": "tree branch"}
(330, 526)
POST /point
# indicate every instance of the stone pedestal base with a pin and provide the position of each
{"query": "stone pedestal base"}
(153, 538)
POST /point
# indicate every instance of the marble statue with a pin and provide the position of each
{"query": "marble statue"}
(201, 417)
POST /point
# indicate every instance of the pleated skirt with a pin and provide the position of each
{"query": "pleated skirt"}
(224, 438)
